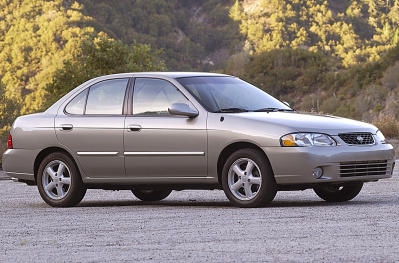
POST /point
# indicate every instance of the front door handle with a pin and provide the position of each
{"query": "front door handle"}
(134, 127)
(66, 127)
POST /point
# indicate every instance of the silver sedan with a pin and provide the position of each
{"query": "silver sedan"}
(152, 133)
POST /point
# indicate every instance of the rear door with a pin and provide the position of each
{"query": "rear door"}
(159, 145)
(91, 127)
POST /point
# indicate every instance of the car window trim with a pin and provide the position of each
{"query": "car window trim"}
(130, 113)
(129, 98)
(87, 96)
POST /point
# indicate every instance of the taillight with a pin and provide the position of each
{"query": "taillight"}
(9, 141)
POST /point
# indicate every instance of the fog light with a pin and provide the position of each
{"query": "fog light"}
(317, 172)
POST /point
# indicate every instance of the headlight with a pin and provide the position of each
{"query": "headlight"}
(380, 137)
(307, 139)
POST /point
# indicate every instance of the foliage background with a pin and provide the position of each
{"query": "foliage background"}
(333, 56)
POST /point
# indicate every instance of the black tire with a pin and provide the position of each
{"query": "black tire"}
(76, 190)
(338, 193)
(268, 187)
(150, 194)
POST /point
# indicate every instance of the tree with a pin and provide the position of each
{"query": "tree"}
(355, 32)
(35, 38)
(287, 71)
(8, 112)
(236, 11)
(101, 55)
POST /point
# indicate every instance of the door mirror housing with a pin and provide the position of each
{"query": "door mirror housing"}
(182, 109)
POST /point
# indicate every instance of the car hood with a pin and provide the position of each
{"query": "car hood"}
(308, 122)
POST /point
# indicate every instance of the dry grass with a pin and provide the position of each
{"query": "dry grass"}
(388, 125)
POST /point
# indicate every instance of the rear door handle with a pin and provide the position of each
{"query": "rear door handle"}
(66, 127)
(134, 127)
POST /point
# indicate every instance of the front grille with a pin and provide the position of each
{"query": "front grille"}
(357, 138)
(363, 168)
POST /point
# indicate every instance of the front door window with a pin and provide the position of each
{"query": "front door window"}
(153, 97)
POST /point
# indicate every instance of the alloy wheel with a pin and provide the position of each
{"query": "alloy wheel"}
(244, 179)
(56, 179)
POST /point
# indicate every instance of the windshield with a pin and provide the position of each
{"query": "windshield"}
(230, 94)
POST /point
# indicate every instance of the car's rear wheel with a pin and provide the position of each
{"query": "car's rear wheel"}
(339, 193)
(247, 179)
(151, 194)
(59, 181)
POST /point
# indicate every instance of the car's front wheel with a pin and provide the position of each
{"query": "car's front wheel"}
(59, 181)
(247, 179)
(339, 193)
(150, 194)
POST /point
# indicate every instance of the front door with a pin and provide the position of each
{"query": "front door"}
(161, 145)
(91, 127)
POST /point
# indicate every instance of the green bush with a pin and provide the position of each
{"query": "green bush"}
(286, 71)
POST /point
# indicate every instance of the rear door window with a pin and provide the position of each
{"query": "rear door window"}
(106, 97)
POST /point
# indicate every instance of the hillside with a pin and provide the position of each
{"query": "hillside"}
(337, 56)
(194, 35)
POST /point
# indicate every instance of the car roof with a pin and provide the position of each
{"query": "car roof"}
(173, 75)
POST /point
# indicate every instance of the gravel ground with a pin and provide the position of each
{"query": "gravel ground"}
(200, 226)
(3, 175)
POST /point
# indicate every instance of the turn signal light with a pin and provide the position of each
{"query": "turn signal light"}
(9, 141)
(288, 140)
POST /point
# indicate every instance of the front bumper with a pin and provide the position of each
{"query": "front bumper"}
(294, 165)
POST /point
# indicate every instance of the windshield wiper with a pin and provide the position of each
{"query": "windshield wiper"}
(232, 110)
(272, 110)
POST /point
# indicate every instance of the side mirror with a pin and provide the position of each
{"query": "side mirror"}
(183, 110)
